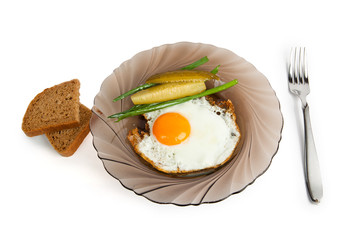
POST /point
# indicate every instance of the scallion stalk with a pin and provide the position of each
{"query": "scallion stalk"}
(196, 64)
(215, 70)
(135, 90)
(148, 85)
(156, 106)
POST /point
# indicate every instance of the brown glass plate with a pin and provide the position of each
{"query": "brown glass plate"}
(258, 116)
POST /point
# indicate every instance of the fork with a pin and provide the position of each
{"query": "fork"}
(299, 85)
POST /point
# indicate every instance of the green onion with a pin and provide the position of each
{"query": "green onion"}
(148, 85)
(156, 106)
(135, 90)
(196, 64)
(135, 107)
(215, 70)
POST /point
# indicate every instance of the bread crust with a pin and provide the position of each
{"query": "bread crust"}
(40, 131)
(78, 137)
(136, 135)
(31, 132)
(76, 143)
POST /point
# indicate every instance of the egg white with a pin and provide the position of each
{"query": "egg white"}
(212, 139)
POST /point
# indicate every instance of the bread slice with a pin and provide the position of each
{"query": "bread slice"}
(67, 141)
(53, 109)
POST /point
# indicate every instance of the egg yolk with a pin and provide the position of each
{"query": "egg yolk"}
(171, 128)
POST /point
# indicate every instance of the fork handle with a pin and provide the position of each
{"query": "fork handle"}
(312, 168)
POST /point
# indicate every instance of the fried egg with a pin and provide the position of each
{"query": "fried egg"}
(189, 137)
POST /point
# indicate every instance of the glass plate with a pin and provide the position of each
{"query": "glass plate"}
(258, 116)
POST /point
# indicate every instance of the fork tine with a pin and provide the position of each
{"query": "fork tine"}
(291, 67)
(301, 65)
(302, 62)
(306, 79)
(296, 65)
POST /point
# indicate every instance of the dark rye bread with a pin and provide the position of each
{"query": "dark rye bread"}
(67, 141)
(53, 109)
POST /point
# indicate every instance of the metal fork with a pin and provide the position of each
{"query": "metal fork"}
(299, 85)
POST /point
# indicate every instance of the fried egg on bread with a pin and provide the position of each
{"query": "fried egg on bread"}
(189, 137)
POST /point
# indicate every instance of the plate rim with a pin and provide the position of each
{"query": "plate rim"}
(174, 203)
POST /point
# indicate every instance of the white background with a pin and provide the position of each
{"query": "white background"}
(46, 196)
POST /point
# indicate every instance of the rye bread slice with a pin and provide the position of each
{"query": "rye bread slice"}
(67, 141)
(53, 109)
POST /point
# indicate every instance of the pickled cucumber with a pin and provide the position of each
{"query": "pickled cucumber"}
(168, 91)
(182, 76)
